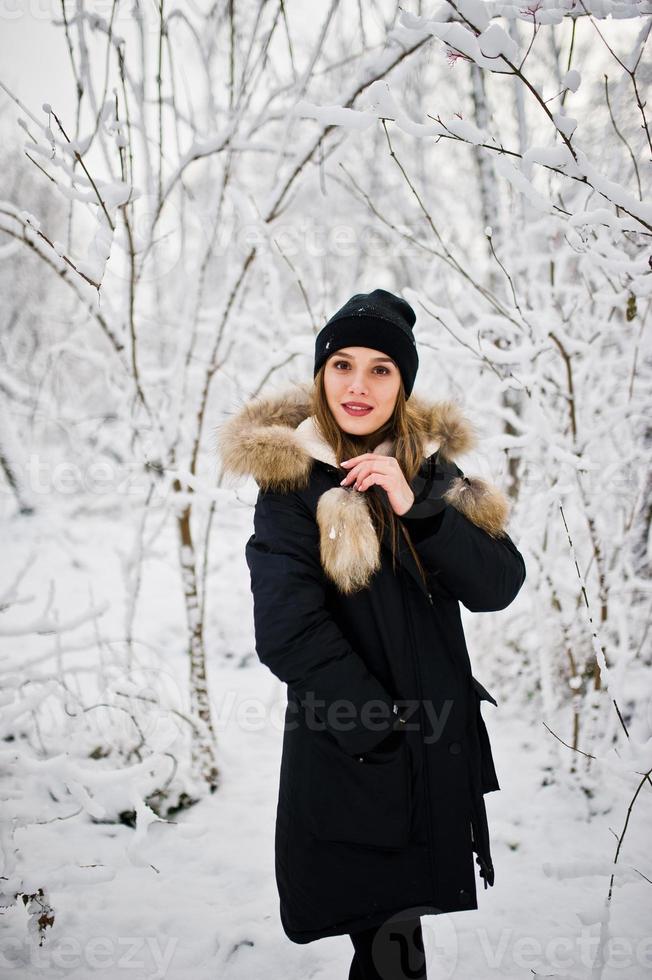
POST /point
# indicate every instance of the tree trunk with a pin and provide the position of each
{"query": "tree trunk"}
(204, 766)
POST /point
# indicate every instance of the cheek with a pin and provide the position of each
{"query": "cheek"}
(332, 385)
(387, 399)
(389, 390)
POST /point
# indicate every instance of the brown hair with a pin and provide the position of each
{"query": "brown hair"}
(407, 449)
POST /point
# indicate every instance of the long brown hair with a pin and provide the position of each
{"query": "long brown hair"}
(404, 427)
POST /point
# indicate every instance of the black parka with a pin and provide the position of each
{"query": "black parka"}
(369, 823)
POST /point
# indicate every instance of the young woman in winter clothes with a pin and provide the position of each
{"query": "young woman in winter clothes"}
(367, 536)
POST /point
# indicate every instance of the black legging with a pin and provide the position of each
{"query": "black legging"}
(391, 951)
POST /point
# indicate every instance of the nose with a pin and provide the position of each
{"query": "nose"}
(357, 384)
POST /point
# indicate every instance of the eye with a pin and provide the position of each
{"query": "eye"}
(379, 367)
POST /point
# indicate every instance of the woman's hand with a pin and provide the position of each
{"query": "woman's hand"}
(370, 468)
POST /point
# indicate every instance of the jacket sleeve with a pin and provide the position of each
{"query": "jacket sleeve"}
(483, 571)
(296, 636)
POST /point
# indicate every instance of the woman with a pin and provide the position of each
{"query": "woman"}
(367, 536)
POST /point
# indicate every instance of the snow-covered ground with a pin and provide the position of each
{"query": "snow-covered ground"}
(196, 896)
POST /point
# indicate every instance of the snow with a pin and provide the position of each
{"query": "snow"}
(334, 115)
(549, 156)
(466, 130)
(30, 220)
(612, 190)
(459, 38)
(519, 181)
(572, 80)
(495, 42)
(381, 101)
(599, 216)
(477, 12)
(564, 123)
(195, 894)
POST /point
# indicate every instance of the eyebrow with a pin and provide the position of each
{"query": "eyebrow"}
(352, 357)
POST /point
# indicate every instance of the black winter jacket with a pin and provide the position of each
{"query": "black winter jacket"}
(386, 757)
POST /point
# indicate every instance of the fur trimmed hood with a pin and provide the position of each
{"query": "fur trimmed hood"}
(275, 440)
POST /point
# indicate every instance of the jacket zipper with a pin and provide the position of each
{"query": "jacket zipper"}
(415, 657)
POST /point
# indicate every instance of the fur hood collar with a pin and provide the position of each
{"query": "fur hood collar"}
(275, 440)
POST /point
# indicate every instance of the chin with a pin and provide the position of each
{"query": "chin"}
(356, 427)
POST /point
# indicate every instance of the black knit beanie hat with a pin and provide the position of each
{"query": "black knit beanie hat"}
(378, 320)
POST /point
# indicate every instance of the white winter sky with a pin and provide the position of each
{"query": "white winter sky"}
(34, 60)
(35, 63)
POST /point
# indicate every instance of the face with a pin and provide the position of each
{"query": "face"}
(361, 376)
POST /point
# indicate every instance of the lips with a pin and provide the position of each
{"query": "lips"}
(356, 409)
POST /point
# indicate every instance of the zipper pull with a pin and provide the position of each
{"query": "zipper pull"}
(430, 599)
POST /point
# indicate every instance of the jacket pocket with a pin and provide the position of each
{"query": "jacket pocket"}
(366, 802)
(488, 777)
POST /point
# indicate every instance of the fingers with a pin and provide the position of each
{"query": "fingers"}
(355, 459)
(375, 464)
(373, 478)
(383, 471)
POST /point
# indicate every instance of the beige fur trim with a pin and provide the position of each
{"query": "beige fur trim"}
(260, 441)
(483, 504)
(349, 546)
(274, 439)
(453, 432)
